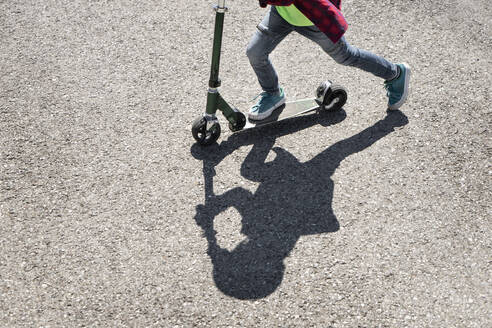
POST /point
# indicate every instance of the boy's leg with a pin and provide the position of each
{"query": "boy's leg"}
(271, 31)
(345, 54)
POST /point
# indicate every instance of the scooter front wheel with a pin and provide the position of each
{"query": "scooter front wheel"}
(202, 135)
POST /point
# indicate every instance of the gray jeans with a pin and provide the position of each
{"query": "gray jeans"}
(273, 29)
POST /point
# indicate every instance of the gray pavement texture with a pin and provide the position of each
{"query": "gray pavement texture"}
(112, 217)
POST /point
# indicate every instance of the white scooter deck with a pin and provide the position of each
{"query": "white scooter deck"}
(288, 110)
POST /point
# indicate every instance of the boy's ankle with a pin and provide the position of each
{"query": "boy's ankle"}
(398, 73)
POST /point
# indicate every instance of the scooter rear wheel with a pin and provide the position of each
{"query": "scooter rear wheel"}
(335, 99)
(203, 136)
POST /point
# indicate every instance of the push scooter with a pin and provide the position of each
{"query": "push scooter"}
(206, 128)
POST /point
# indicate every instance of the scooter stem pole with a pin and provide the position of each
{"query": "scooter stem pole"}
(214, 81)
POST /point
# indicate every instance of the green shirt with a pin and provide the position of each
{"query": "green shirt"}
(293, 16)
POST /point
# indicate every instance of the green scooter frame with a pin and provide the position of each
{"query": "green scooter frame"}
(206, 128)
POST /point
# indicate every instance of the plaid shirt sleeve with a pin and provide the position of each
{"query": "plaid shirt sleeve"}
(280, 2)
(325, 14)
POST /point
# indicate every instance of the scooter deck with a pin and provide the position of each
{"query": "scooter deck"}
(288, 110)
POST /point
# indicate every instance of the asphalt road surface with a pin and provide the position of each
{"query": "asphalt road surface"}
(111, 216)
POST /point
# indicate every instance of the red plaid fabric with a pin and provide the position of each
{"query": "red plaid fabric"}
(325, 14)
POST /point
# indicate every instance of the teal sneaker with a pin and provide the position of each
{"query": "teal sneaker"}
(397, 89)
(266, 105)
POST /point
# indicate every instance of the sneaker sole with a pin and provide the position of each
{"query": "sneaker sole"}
(264, 115)
(397, 105)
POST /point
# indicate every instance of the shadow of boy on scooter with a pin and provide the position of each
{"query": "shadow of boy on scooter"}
(292, 200)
